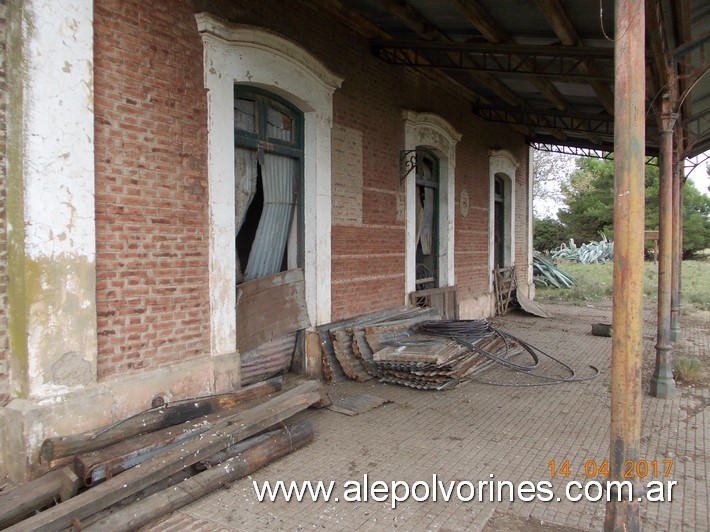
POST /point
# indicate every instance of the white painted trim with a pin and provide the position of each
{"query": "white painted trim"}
(254, 56)
(431, 131)
(531, 284)
(503, 163)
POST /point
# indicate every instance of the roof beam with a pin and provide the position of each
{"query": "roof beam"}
(582, 122)
(421, 26)
(565, 31)
(363, 27)
(555, 62)
(489, 28)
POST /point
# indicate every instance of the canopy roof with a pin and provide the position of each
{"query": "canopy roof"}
(546, 67)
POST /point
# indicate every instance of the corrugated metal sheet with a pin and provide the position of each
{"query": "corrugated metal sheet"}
(279, 178)
(270, 359)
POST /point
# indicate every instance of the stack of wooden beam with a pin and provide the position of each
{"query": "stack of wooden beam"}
(103, 487)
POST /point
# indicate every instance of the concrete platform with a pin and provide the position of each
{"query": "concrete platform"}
(479, 430)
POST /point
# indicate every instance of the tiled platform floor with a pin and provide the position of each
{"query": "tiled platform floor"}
(480, 430)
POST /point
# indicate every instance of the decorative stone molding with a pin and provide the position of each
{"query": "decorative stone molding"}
(502, 164)
(254, 56)
(434, 133)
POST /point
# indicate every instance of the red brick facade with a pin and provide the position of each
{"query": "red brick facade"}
(151, 182)
(151, 186)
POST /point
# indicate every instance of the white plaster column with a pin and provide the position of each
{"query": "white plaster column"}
(531, 225)
(51, 226)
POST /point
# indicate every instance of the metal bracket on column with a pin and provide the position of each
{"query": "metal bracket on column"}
(407, 163)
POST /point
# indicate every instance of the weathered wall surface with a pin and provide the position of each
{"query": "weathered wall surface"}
(151, 202)
(152, 251)
(4, 379)
(151, 186)
(368, 233)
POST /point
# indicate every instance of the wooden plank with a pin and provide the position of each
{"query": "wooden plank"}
(249, 460)
(228, 432)
(30, 497)
(154, 419)
(313, 356)
(270, 307)
(504, 285)
(443, 299)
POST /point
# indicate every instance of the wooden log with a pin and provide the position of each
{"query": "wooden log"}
(96, 466)
(235, 450)
(26, 499)
(154, 419)
(164, 484)
(225, 433)
(250, 460)
(168, 482)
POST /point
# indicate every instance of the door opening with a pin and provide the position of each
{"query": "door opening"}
(427, 212)
(499, 224)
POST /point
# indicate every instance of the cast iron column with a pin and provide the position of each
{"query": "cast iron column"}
(627, 322)
(662, 384)
(677, 242)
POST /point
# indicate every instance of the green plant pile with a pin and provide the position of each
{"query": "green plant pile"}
(547, 274)
(589, 253)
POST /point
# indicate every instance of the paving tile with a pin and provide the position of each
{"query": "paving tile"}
(477, 429)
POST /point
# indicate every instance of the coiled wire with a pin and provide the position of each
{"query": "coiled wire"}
(468, 332)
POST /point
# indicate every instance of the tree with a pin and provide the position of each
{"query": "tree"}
(590, 205)
(550, 171)
(549, 234)
(589, 196)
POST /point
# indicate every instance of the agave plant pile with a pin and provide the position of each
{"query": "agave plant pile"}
(547, 274)
(589, 253)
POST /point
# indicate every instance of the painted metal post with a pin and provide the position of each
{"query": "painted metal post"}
(662, 384)
(627, 321)
(677, 241)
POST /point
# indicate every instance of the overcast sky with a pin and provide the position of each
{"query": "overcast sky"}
(700, 176)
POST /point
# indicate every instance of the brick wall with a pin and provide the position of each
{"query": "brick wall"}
(368, 234)
(151, 188)
(152, 222)
(4, 385)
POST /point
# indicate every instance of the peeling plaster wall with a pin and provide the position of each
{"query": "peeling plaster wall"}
(51, 225)
(4, 377)
(152, 257)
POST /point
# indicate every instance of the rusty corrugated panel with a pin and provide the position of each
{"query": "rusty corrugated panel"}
(332, 368)
(267, 360)
(432, 363)
(352, 366)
